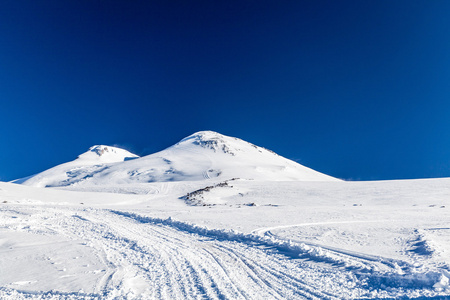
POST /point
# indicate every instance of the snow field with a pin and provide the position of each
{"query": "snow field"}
(214, 217)
(125, 255)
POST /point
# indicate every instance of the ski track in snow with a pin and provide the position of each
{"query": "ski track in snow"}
(268, 231)
(151, 258)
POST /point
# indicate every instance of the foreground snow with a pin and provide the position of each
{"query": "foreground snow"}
(235, 239)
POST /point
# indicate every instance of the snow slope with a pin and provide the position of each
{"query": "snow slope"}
(246, 239)
(203, 155)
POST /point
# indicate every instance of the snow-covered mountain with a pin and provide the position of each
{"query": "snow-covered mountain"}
(87, 164)
(201, 156)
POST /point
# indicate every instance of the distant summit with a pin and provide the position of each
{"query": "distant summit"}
(106, 154)
(209, 140)
(85, 165)
(100, 149)
(219, 143)
(204, 155)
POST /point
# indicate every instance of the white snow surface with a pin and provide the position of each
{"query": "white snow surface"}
(243, 239)
(221, 237)
(203, 155)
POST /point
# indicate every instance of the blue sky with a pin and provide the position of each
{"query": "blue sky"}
(355, 89)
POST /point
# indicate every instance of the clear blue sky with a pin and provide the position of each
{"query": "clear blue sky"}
(355, 89)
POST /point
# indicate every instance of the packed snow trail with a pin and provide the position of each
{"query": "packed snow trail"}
(150, 258)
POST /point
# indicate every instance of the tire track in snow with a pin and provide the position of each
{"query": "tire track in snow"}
(205, 278)
(249, 277)
(191, 271)
(280, 276)
(194, 259)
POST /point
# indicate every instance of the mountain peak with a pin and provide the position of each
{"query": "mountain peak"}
(106, 154)
(214, 141)
(102, 149)
(204, 135)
